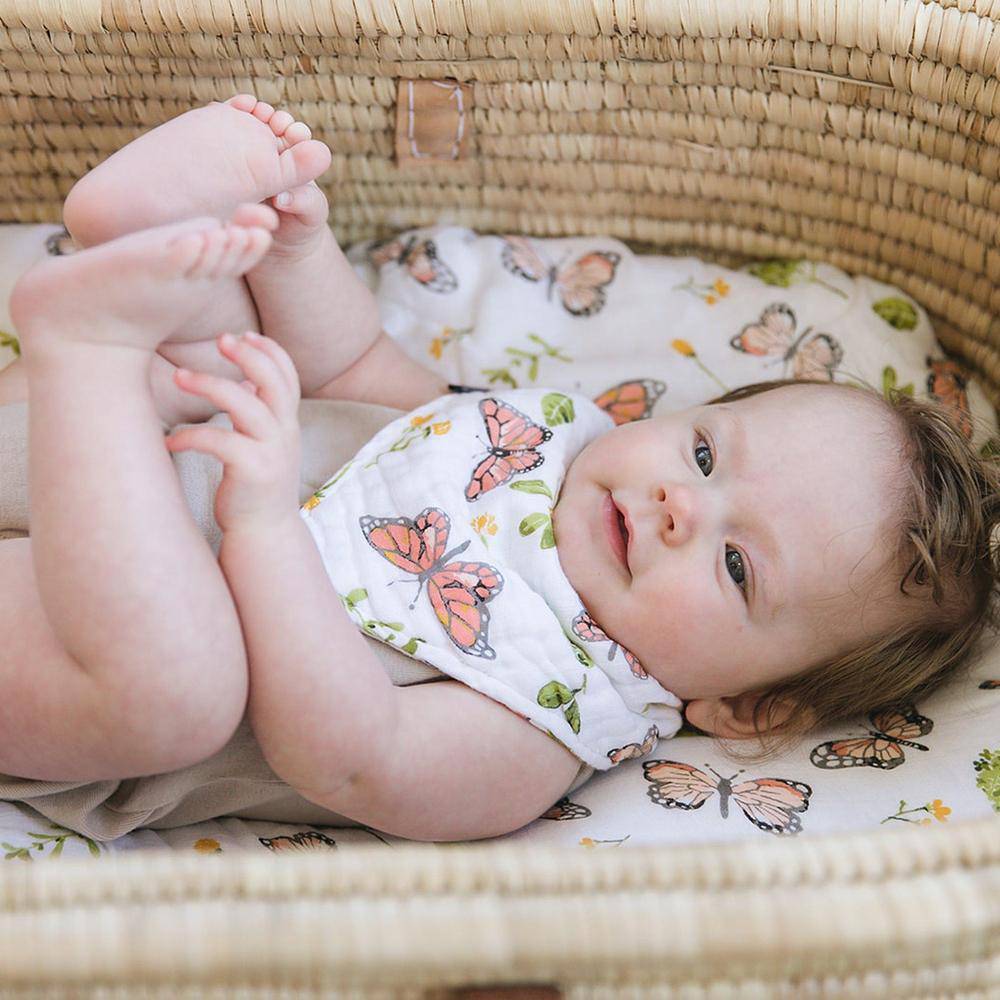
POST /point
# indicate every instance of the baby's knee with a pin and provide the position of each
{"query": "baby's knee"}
(172, 723)
(85, 210)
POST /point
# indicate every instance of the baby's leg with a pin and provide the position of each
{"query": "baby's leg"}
(123, 653)
(204, 162)
(209, 160)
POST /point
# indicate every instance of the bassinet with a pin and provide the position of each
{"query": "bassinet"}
(861, 132)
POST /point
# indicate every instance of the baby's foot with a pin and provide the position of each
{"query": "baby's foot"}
(305, 290)
(136, 291)
(204, 162)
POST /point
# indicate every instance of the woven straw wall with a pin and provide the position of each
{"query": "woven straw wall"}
(863, 133)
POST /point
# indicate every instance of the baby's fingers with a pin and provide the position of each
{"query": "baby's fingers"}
(248, 413)
(227, 446)
(263, 362)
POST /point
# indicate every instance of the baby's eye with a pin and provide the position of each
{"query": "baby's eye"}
(734, 563)
(703, 456)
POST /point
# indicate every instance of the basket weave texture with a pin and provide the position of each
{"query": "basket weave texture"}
(860, 132)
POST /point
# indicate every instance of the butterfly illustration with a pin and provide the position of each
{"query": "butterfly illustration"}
(513, 438)
(946, 383)
(587, 629)
(420, 258)
(564, 810)
(812, 355)
(458, 591)
(989, 685)
(635, 749)
(771, 804)
(630, 401)
(892, 729)
(305, 840)
(580, 285)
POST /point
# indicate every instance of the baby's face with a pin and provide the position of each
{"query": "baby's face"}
(733, 545)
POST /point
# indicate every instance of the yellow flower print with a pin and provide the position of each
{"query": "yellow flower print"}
(937, 809)
(313, 501)
(591, 844)
(420, 419)
(685, 348)
(709, 294)
(442, 427)
(484, 524)
(208, 845)
(940, 811)
(449, 334)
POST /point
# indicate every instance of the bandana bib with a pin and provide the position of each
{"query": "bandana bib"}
(438, 537)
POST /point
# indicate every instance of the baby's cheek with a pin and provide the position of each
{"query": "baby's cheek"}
(666, 622)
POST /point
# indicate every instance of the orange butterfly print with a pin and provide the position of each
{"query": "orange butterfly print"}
(513, 440)
(458, 591)
(587, 629)
(891, 730)
(305, 840)
(771, 804)
(420, 258)
(580, 285)
(630, 401)
(811, 355)
(989, 685)
(564, 809)
(946, 383)
(635, 749)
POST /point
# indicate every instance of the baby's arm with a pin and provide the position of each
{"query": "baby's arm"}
(433, 761)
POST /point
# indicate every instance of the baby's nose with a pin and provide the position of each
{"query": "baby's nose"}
(677, 508)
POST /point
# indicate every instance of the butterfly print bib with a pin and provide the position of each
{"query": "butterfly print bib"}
(438, 537)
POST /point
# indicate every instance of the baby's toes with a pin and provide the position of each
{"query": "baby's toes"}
(251, 214)
(307, 203)
(243, 102)
(296, 132)
(303, 162)
(280, 121)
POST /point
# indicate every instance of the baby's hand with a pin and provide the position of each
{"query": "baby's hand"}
(262, 454)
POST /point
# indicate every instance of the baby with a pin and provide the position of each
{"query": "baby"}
(788, 554)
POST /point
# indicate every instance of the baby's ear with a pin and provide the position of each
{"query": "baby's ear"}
(732, 718)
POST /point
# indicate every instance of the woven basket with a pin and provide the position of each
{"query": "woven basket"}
(859, 132)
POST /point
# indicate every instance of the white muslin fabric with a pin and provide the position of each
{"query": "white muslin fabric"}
(438, 537)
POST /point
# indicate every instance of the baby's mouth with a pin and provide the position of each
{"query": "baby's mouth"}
(616, 528)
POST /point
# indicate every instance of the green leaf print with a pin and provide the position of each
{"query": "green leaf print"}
(897, 312)
(532, 522)
(890, 386)
(572, 716)
(557, 409)
(356, 596)
(784, 273)
(532, 486)
(554, 694)
(581, 654)
(548, 538)
(987, 769)
(775, 272)
(9, 340)
(991, 449)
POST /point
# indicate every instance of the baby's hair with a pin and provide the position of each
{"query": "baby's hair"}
(946, 523)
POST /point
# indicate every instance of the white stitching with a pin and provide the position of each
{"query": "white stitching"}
(456, 92)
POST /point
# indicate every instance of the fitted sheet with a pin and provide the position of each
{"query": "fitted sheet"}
(638, 333)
